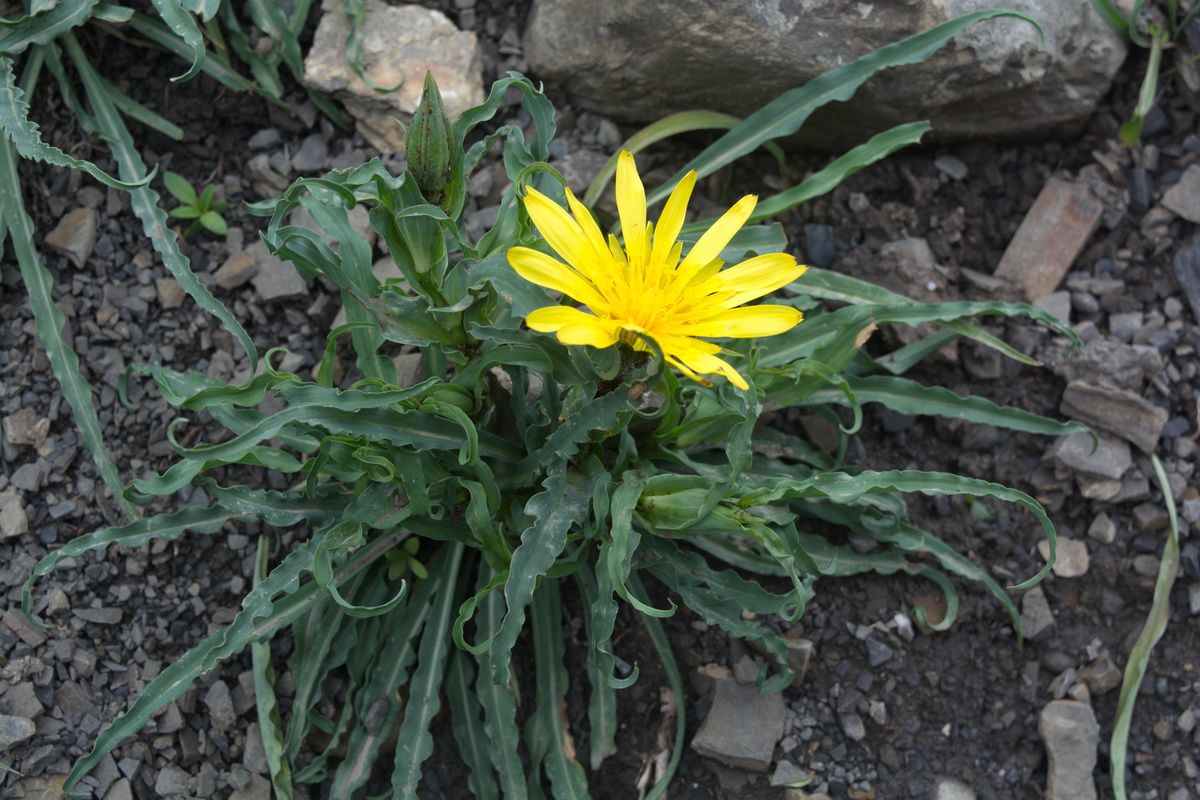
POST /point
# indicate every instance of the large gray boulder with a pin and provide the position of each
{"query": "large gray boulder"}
(638, 60)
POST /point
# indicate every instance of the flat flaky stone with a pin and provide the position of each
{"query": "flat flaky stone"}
(1070, 734)
(1117, 411)
(1052, 234)
(400, 44)
(1109, 460)
(742, 727)
(75, 235)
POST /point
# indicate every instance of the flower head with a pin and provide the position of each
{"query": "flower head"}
(646, 289)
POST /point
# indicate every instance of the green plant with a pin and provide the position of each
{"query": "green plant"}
(1152, 28)
(528, 460)
(201, 207)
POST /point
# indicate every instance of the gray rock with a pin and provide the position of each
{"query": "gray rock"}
(75, 235)
(1102, 675)
(742, 727)
(951, 789)
(173, 781)
(220, 706)
(1186, 266)
(14, 730)
(1110, 459)
(1103, 529)
(121, 789)
(853, 726)
(236, 270)
(1070, 735)
(1194, 599)
(799, 655)
(1184, 197)
(13, 521)
(311, 155)
(24, 428)
(170, 293)
(98, 616)
(877, 652)
(21, 701)
(1116, 411)
(1150, 517)
(637, 62)
(27, 478)
(1036, 618)
(1124, 325)
(788, 774)
(1104, 362)
(1071, 559)
(263, 139)
(258, 788)
(255, 757)
(400, 44)
(276, 279)
(1057, 305)
(19, 624)
(952, 166)
(264, 180)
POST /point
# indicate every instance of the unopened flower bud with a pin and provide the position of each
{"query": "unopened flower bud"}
(430, 144)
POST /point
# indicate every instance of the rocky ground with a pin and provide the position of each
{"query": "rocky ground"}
(883, 711)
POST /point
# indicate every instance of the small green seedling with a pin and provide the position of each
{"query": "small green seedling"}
(199, 207)
(404, 559)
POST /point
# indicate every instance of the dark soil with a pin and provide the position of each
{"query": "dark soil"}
(962, 704)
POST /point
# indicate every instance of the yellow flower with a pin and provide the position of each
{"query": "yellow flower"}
(645, 289)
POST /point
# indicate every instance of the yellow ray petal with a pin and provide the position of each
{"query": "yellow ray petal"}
(601, 258)
(715, 238)
(631, 205)
(750, 280)
(670, 222)
(560, 231)
(707, 365)
(744, 323)
(545, 271)
(593, 333)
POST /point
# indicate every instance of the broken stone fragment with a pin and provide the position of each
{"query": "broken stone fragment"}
(742, 727)
(75, 235)
(1070, 734)
(1116, 411)
(1050, 237)
(1108, 461)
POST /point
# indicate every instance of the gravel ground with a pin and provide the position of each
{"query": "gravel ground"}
(881, 713)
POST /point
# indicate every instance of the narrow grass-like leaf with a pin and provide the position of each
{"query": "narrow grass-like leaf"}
(186, 30)
(784, 115)
(909, 397)
(668, 126)
(39, 284)
(674, 679)
(1152, 631)
(44, 27)
(842, 488)
(164, 527)
(602, 703)
(1111, 15)
(474, 746)
(24, 134)
(269, 723)
(415, 744)
(262, 615)
(215, 68)
(145, 200)
(826, 180)
(563, 503)
(139, 113)
(498, 699)
(550, 745)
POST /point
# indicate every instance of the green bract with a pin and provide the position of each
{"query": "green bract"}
(443, 516)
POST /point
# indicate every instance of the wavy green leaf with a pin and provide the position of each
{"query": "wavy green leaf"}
(784, 115)
(415, 744)
(45, 26)
(563, 504)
